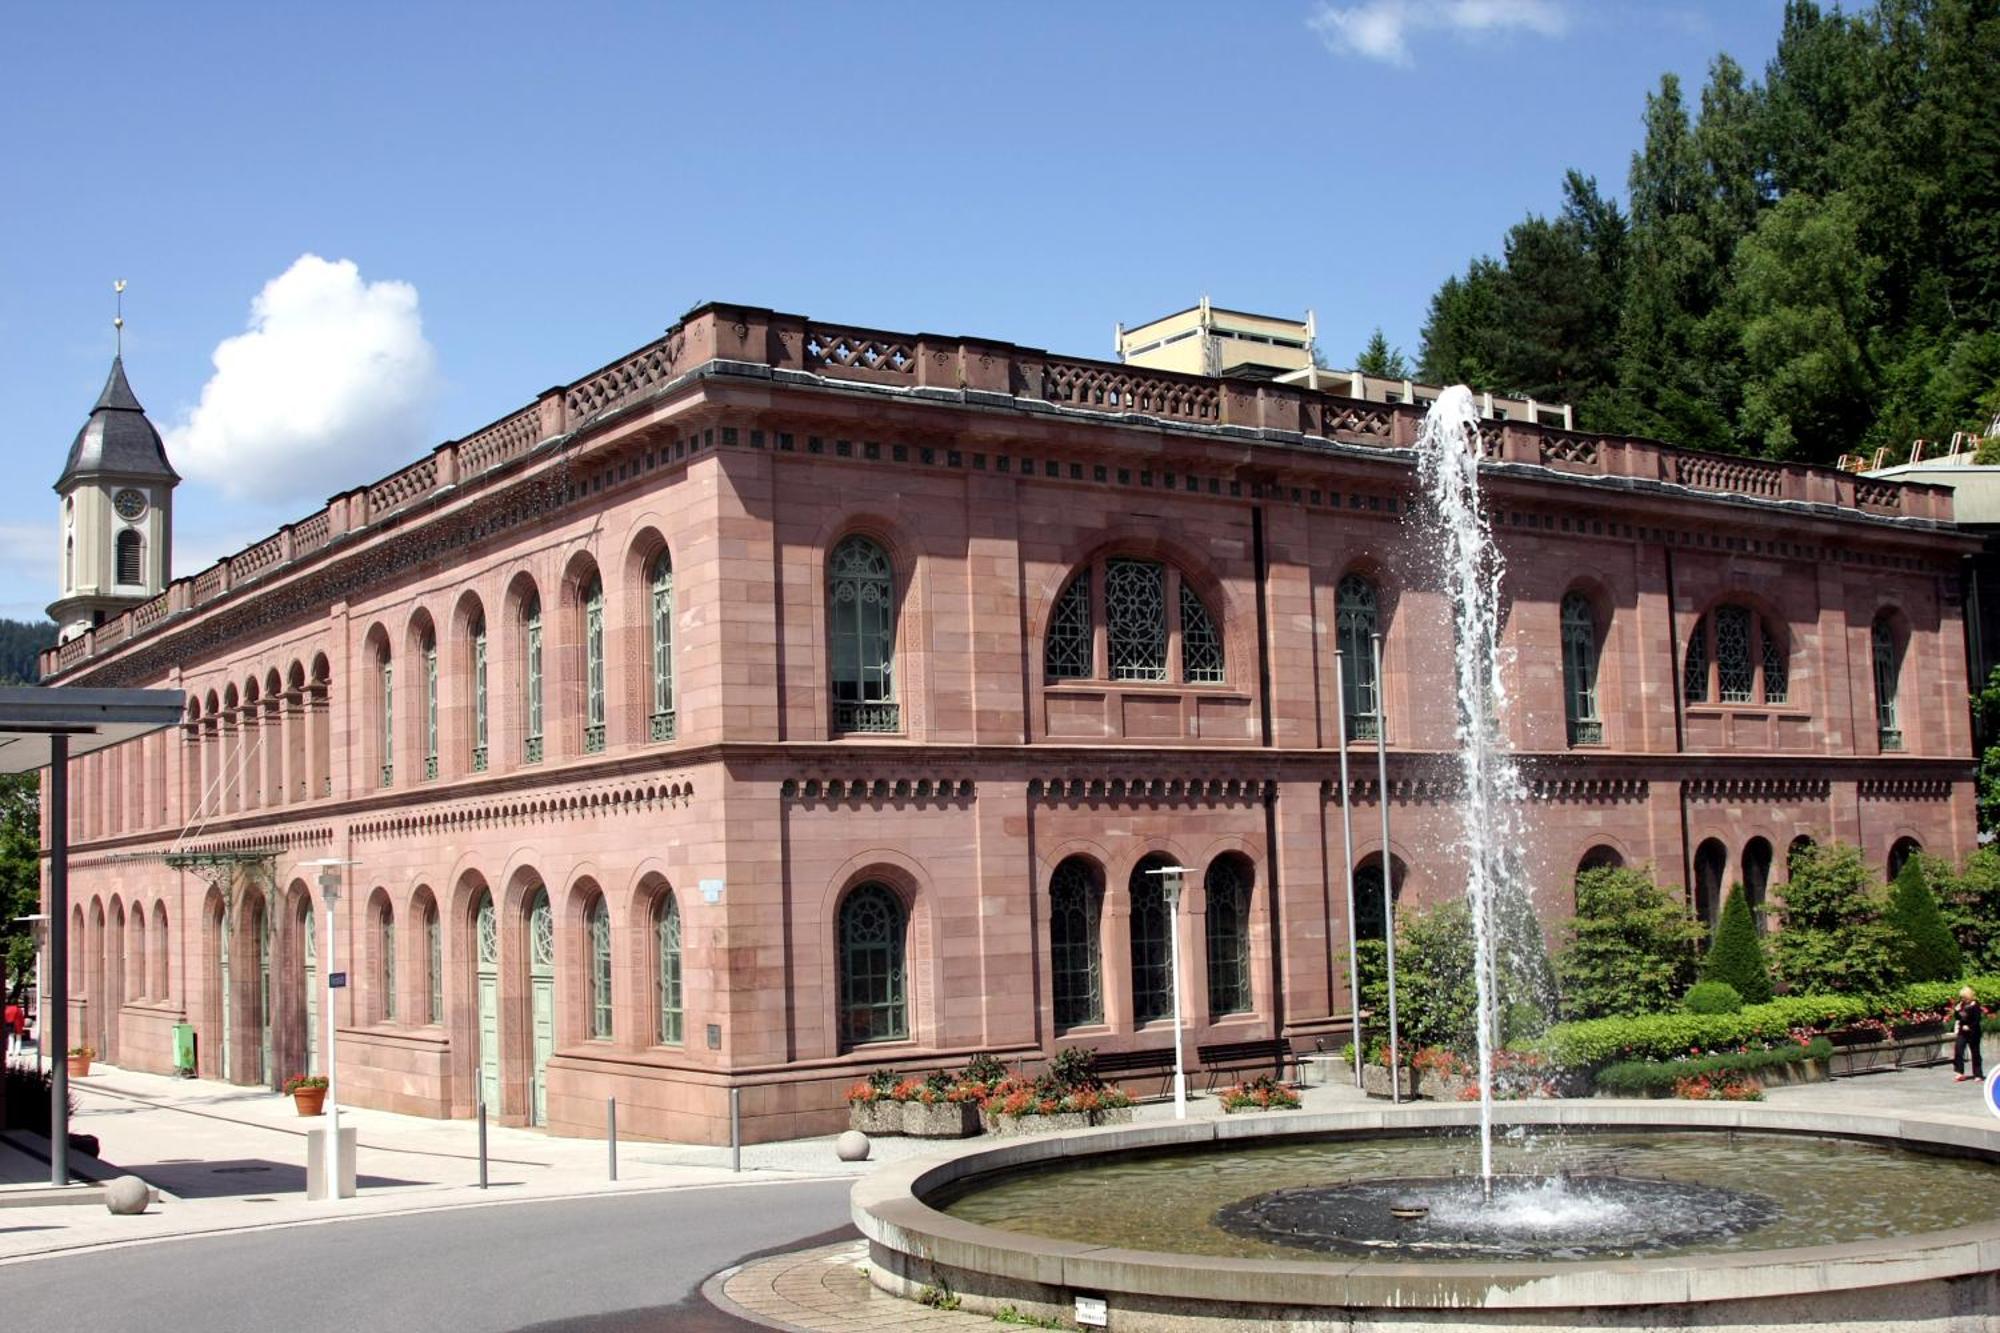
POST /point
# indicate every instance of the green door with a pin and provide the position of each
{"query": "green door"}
(484, 928)
(309, 938)
(542, 995)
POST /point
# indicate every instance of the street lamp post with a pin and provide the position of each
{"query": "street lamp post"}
(329, 889)
(1171, 880)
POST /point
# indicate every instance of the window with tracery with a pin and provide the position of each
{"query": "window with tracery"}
(662, 722)
(872, 1000)
(1694, 684)
(1228, 890)
(388, 720)
(1071, 649)
(593, 666)
(1152, 957)
(598, 922)
(861, 622)
(531, 679)
(1888, 673)
(430, 707)
(1146, 605)
(1744, 652)
(1735, 677)
(1356, 623)
(385, 939)
(434, 961)
(1076, 960)
(1135, 617)
(1201, 643)
(667, 968)
(479, 708)
(1580, 659)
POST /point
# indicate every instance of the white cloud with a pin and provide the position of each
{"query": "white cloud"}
(1381, 29)
(329, 387)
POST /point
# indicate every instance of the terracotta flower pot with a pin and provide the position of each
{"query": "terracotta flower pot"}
(79, 1066)
(310, 1101)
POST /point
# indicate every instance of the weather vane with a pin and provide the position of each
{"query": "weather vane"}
(118, 321)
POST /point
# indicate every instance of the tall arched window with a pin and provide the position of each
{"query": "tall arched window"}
(1076, 959)
(388, 682)
(1580, 657)
(531, 679)
(433, 961)
(1900, 854)
(1711, 863)
(873, 1005)
(1135, 617)
(1356, 622)
(385, 952)
(131, 562)
(1228, 886)
(861, 622)
(135, 965)
(1756, 876)
(1147, 607)
(1152, 956)
(1744, 652)
(430, 650)
(479, 706)
(162, 982)
(667, 968)
(598, 920)
(593, 666)
(663, 722)
(1888, 672)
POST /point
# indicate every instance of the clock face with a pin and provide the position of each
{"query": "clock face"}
(129, 503)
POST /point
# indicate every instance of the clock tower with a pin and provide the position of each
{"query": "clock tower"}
(116, 522)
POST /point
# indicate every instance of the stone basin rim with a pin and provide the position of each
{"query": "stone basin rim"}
(889, 1209)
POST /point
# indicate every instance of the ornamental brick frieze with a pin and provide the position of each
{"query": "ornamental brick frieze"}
(1905, 789)
(1408, 791)
(876, 791)
(270, 841)
(1588, 791)
(1757, 789)
(621, 799)
(1152, 791)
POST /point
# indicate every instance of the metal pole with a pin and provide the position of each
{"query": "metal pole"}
(1173, 887)
(611, 1132)
(1347, 850)
(329, 883)
(736, 1129)
(1388, 871)
(55, 1024)
(482, 1142)
(41, 995)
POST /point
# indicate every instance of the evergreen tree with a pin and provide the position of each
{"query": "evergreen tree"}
(1630, 949)
(20, 874)
(1460, 328)
(1381, 360)
(1736, 956)
(1926, 950)
(1835, 940)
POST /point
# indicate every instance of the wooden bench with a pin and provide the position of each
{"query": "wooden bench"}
(1112, 1064)
(1271, 1054)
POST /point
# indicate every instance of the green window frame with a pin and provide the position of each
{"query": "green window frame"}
(599, 921)
(667, 969)
(430, 708)
(861, 624)
(662, 723)
(531, 679)
(388, 680)
(479, 705)
(593, 667)
(434, 959)
(1152, 945)
(1888, 683)
(1580, 658)
(385, 941)
(1227, 887)
(1076, 951)
(873, 993)
(1357, 620)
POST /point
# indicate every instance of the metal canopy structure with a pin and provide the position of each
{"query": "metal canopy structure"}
(44, 727)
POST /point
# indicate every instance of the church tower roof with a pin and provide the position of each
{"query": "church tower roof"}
(118, 438)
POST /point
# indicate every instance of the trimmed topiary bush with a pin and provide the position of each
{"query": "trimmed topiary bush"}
(1835, 940)
(1630, 948)
(1712, 997)
(1925, 949)
(1737, 955)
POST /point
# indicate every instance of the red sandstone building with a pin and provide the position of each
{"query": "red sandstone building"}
(787, 700)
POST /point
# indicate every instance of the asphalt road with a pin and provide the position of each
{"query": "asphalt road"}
(605, 1265)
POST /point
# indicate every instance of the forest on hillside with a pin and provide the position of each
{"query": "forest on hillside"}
(21, 641)
(1805, 265)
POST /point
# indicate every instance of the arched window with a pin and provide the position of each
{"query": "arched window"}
(1600, 857)
(1756, 875)
(1356, 622)
(1580, 656)
(1371, 918)
(1711, 863)
(1146, 605)
(531, 679)
(1201, 642)
(430, 650)
(667, 968)
(1888, 673)
(385, 952)
(1076, 959)
(1070, 652)
(1228, 885)
(1800, 846)
(872, 991)
(433, 961)
(598, 920)
(479, 708)
(1900, 854)
(131, 563)
(162, 983)
(663, 726)
(1746, 654)
(593, 666)
(861, 622)
(135, 966)
(1152, 945)
(388, 683)
(1135, 616)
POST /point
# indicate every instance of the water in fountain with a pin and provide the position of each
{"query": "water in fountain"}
(1470, 568)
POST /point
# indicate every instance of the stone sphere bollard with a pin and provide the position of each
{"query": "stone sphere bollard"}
(128, 1196)
(852, 1146)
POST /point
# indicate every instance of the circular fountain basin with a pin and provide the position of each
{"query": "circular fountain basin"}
(1268, 1229)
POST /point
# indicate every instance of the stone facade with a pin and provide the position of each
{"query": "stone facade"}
(702, 846)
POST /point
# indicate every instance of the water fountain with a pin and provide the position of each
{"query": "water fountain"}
(1560, 1214)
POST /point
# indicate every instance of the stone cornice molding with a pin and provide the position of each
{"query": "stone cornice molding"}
(876, 790)
(513, 812)
(1149, 790)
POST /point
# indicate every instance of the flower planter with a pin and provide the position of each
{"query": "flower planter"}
(1375, 1081)
(876, 1117)
(1115, 1115)
(310, 1101)
(79, 1066)
(1438, 1087)
(1010, 1126)
(941, 1120)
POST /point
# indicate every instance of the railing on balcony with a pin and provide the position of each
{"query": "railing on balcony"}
(593, 738)
(867, 717)
(531, 750)
(662, 728)
(479, 759)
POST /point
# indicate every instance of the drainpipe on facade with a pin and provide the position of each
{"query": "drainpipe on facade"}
(1270, 787)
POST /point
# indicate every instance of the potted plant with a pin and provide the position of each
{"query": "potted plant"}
(943, 1108)
(79, 1061)
(1262, 1093)
(873, 1106)
(308, 1092)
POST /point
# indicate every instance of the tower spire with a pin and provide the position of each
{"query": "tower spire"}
(118, 320)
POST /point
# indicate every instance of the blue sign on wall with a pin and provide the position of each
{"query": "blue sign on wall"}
(337, 980)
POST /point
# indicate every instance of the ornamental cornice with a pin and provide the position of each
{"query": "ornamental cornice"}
(1150, 790)
(622, 798)
(1758, 789)
(876, 790)
(1904, 789)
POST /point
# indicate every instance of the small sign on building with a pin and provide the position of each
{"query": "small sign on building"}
(337, 980)
(1091, 1312)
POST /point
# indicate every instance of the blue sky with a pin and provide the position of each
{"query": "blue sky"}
(522, 193)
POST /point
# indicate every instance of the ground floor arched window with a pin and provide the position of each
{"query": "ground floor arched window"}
(873, 985)
(1228, 931)
(1152, 942)
(1076, 958)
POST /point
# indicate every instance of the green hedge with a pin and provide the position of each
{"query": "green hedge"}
(1600, 1041)
(1658, 1076)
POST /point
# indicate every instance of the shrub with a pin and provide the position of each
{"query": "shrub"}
(27, 1102)
(1925, 949)
(1437, 993)
(1075, 1067)
(1712, 997)
(1737, 955)
(1969, 901)
(1644, 1076)
(305, 1083)
(1630, 948)
(1262, 1093)
(1834, 940)
(983, 1068)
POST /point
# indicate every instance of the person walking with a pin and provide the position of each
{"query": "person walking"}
(15, 1020)
(1965, 1036)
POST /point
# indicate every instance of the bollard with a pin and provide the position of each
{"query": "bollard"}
(611, 1132)
(736, 1129)
(482, 1143)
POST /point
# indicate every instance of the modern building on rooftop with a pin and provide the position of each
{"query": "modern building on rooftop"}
(788, 699)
